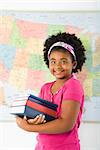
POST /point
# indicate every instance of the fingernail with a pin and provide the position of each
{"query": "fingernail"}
(37, 116)
(44, 121)
(43, 116)
(25, 117)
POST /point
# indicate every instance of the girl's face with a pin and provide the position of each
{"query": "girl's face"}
(60, 64)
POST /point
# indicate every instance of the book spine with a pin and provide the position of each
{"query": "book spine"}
(17, 110)
(43, 102)
(42, 108)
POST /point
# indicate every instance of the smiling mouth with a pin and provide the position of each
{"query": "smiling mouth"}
(58, 72)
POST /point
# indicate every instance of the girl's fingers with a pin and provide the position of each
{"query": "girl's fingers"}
(30, 121)
(33, 120)
(40, 119)
(25, 117)
(44, 121)
(37, 120)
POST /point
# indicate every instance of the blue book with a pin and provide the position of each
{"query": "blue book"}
(43, 102)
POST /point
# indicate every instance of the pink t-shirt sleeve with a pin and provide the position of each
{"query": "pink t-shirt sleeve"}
(73, 91)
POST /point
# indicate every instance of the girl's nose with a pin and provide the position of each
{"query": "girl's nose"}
(58, 65)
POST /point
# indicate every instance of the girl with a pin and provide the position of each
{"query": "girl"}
(64, 55)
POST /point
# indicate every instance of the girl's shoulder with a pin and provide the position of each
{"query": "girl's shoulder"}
(73, 82)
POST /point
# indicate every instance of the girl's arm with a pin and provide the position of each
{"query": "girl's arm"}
(65, 123)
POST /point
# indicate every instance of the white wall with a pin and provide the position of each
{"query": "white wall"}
(90, 136)
(50, 5)
(12, 137)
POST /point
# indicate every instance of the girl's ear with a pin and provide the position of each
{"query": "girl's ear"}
(74, 64)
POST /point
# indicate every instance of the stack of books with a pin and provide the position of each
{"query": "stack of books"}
(18, 105)
(33, 106)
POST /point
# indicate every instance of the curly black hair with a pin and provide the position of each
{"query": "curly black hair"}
(70, 39)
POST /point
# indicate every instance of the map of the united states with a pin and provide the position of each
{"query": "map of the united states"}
(21, 58)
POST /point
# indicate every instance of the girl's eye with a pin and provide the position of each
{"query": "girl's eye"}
(64, 62)
(52, 62)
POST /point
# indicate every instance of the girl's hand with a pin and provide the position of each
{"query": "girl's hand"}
(25, 124)
(22, 123)
(37, 120)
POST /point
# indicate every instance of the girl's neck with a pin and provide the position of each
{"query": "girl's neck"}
(62, 81)
(58, 84)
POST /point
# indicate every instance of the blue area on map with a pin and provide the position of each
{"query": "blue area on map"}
(96, 68)
(7, 55)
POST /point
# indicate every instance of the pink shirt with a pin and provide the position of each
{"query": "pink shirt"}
(71, 90)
